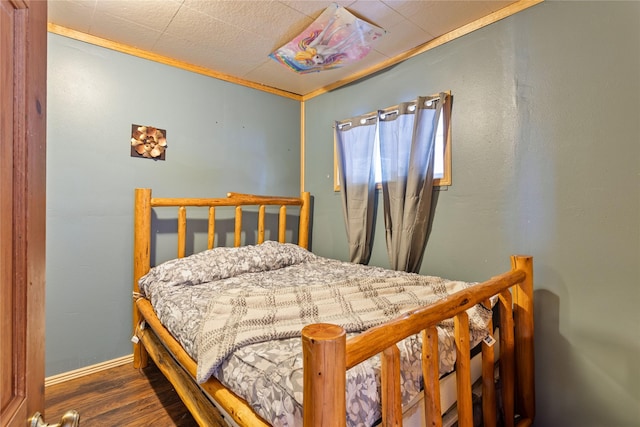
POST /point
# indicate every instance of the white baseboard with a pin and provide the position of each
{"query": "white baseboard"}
(77, 373)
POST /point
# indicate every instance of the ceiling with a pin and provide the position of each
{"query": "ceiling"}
(233, 38)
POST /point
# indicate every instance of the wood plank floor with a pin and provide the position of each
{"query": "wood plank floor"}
(120, 396)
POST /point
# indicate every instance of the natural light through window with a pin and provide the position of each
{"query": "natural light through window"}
(442, 153)
(438, 161)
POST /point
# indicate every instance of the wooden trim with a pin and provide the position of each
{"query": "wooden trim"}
(140, 53)
(87, 370)
(438, 41)
(336, 169)
(302, 144)
(447, 111)
(22, 209)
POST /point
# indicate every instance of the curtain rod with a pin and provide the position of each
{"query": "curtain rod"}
(363, 120)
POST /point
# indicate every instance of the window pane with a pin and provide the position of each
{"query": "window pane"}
(438, 161)
(442, 153)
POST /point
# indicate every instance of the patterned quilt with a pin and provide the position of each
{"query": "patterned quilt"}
(219, 304)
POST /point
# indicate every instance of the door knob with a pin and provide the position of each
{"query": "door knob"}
(69, 419)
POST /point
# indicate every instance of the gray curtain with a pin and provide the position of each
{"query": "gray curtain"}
(355, 143)
(407, 141)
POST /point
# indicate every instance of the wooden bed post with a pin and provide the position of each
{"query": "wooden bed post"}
(303, 226)
(141, 260)
(324, 366)
(524, 352)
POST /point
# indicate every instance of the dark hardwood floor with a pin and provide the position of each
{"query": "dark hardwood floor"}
(120, 396)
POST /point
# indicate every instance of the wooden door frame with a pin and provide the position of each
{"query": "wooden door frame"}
(25, 39)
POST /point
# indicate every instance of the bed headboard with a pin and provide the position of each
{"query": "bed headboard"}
(144, 204)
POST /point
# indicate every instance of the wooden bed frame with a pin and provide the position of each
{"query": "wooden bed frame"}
(327, 354)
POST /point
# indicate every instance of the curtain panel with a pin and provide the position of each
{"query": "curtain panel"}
(407, 135)
(355, 145)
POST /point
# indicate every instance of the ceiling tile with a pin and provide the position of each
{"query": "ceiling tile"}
(154, 14)
(265, 18)
(202, 54)
(76, 15)
(440, 17)
(313, 8)
(376, 12)
(224, 38)
(111, 28)
(400, 38)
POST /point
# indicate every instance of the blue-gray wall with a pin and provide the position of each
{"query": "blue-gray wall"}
(546, 161)
(222, 137)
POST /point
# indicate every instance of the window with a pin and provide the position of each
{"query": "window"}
(442, 160)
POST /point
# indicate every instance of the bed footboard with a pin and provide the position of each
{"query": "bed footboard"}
(328, 354)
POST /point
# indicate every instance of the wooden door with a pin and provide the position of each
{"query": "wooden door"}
(23, 67)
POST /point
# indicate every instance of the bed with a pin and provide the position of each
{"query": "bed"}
(365, 363)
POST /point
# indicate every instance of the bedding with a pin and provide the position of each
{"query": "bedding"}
(197, 297)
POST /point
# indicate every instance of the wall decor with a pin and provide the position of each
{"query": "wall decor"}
(336, 38)
(148, 142)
